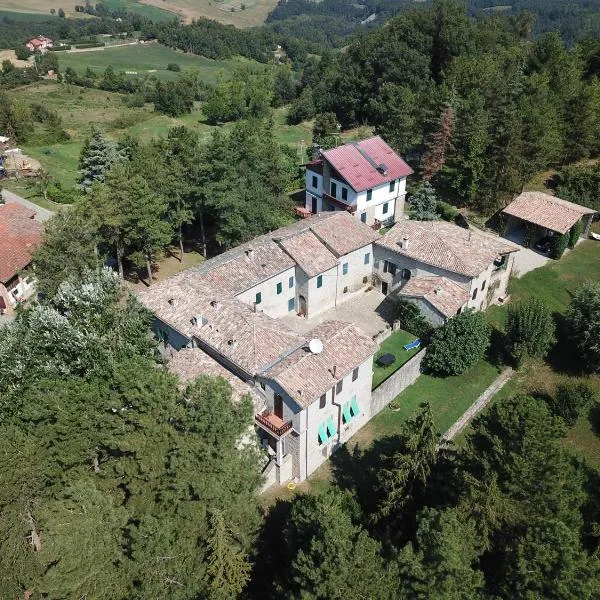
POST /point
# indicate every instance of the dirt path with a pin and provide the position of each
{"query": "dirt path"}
(478, 405)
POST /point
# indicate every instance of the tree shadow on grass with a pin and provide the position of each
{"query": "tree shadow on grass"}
(358, 471)
(594, 418)
(497, 353)
(562, 357)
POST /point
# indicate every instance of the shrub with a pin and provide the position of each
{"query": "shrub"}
(459, 344)
(575, 233)
(558, 245)
(530, 329)
(173, 67)
(446, 211)
(22, 53)
(412, 320)
(582, 322)
(571, 400)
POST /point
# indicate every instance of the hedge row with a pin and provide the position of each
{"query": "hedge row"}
(89, 45)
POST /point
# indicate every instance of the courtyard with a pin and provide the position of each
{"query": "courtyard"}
(368, 309)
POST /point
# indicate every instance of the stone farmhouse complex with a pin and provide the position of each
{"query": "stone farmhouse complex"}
(312, 391)
(234, 315)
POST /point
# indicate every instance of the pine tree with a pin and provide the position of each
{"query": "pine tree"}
(97, 157)
(438, 143)
(423, 203)
(403, 475)
(530, 329)
(228, 567)
(582, 322)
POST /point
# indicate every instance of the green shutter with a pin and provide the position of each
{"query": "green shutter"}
(322, 434)
(279, 287)
(331, 427)
(354, 406)
(346, 412)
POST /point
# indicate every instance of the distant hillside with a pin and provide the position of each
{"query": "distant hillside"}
(333, 21)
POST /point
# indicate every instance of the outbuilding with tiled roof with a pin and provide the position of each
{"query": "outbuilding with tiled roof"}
(549, 213)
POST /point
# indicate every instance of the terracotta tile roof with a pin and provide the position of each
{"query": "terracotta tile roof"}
(309, 253)
(251, 340)
(306, 376)
(447, 246)
(357, 163)
(547, 211)
(19, 237)
(343, 233)
(244, 267)
(190, 363)
(443, 294)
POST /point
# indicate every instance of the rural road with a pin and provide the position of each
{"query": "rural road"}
(41, 214)
(478, 405)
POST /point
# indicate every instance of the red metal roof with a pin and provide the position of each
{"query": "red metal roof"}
(357, 163)
(19, 236)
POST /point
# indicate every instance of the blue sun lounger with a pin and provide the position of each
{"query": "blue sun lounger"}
(413, 345)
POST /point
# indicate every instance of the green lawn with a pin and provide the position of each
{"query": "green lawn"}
(449, 398)
(147, 59)
(393, 345)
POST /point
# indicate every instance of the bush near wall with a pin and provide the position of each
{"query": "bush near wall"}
(559, 245)
(575, 233)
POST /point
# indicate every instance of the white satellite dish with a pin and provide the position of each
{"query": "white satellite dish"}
(315, 346)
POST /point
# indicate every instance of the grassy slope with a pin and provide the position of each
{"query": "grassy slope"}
(145, 58)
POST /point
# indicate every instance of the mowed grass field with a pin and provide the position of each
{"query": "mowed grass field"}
(146, 59)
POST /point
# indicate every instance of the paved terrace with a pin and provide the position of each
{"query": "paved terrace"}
(369, 310)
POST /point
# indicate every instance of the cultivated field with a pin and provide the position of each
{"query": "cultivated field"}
(144, 59)
(43, 7)
(241, 13)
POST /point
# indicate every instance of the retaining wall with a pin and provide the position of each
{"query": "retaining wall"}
(406, 375)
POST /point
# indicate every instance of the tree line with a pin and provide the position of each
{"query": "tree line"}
(137, 201)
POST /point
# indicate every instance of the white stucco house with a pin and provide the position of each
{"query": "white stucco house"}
(366, 179)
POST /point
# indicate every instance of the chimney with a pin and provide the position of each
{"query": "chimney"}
(172, 301)
(405, 243)
(215, 304)
(316, 152)
(232, 344)
(250, 253)
(198, 320)
(439, 291)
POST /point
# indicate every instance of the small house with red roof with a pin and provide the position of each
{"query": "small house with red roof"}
(365, 178)
(39, 44)
(20, 234)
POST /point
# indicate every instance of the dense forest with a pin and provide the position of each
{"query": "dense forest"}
(472, 104)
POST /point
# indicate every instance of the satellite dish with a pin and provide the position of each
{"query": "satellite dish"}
(315, 346)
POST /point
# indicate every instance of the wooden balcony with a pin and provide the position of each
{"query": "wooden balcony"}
(339, 203)
(272, 423)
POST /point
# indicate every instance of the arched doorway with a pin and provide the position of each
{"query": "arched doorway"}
(302, 306)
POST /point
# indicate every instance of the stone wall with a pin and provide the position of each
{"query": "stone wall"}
(406, 375)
